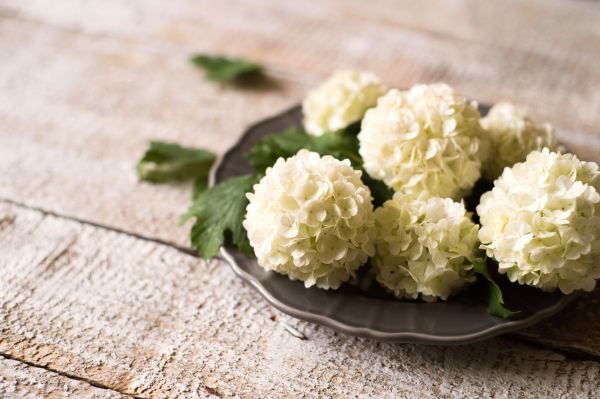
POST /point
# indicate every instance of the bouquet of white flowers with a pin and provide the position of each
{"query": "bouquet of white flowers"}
(377, 181)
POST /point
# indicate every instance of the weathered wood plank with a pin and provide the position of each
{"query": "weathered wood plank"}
(81, 96)
(76, 113)
(19, 380)
(537, 52)
(575, 331)
(148, 320)
(80, 99)
(81, 91)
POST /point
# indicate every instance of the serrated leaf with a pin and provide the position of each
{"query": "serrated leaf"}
(219, 210)
(486, 290)
(165, 162)
(221, 69)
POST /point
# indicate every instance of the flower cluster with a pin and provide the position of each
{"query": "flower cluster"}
(424, 142)
(312, 219)
(424, 247)
(513, 135)
(541, 222)
(340, 101)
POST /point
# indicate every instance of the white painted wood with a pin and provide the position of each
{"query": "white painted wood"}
(148, 320)
(84, 85)
(76, 113)
(18, 380)
(540, 52)
(575, 331)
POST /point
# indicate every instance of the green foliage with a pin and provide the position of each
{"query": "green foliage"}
(265, 152)
(200, 185)
(221, 69)
(218, 211)
(486, 290)
(341, 145)
(164, 162)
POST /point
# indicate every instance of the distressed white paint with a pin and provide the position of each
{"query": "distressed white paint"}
(148, 320)
(83, 85)
(538, 51)
(18, 380)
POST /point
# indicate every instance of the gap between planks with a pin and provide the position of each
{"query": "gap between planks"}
(68, 375)
(188, 251)
(148, 319)
(211, 391)
(567, 353)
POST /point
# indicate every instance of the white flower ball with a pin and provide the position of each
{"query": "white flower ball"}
(340, 101)
(312, 219)
(541, 222)
(424, 248)
(513, 135)
(424, 142)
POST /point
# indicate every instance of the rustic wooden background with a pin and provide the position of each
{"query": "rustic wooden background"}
(96, 298)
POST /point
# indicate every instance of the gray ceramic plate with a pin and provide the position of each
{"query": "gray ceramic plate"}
(370, 312)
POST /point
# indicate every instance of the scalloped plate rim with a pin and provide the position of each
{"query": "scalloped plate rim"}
(365, 331)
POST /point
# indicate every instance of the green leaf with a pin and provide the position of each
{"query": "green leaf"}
(265, 152)
(342, 145)
(200, 185)
(219, 210)
(221, 69)
(486, 290)
(165, 162)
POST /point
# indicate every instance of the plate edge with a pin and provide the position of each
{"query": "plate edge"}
(401, 337)
(365, 332)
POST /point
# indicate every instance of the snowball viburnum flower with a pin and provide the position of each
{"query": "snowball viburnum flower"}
(312, 219)
(541, 222)
(340, 100)
(424, 248)
(513, 135)
(424, 142)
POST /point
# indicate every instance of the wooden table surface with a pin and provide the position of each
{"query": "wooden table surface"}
(97, 299)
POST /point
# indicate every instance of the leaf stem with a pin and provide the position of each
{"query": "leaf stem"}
(353, 157)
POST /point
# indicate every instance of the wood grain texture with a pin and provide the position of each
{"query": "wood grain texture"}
(18, 380)
(150, 321)
(539, 53)
(84, 85)
(575, 331)
(76, 114)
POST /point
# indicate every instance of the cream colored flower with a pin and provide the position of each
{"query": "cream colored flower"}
(312, 219)
(340, 101)
(513, 135)
(424, 248)
(424, 142)
(541, 222)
